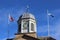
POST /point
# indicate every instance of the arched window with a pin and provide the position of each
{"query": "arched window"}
(32, 27)
(25, 26)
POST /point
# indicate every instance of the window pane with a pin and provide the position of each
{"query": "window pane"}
(25, 25)
(32, 27)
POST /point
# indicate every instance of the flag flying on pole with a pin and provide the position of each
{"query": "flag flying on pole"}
(49, 14)
(48, 24)
(11, 18)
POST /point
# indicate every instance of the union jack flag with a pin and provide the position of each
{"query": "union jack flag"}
(11, 18)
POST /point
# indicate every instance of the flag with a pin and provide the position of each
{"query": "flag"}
(11, 18)
(49, 14)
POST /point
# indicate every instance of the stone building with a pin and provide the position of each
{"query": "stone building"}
(26, 26)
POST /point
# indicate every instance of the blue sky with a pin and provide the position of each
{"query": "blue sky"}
(38, 8)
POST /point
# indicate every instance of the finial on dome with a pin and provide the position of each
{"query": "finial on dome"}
(27, 8)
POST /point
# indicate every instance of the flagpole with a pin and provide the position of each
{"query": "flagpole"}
(8, 27)
(48, 24)
(8, 31)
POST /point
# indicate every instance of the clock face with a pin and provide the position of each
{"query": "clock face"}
(25, 25)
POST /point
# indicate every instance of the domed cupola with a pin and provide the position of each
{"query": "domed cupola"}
(28, 16)
(26, 23)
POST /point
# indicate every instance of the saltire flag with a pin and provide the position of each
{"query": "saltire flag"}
(11, 18)
(49, 14)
